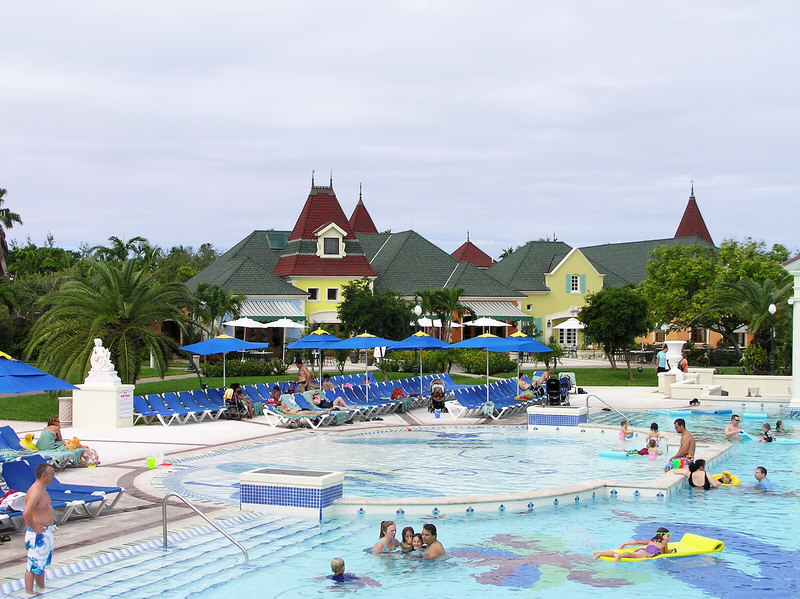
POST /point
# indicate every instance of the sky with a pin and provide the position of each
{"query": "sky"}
(190, 122)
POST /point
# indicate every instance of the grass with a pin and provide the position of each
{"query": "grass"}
(39, 408)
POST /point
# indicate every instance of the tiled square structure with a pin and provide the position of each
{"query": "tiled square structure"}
(306, 493)
(557, 416)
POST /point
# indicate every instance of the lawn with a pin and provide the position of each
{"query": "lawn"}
(41, 407)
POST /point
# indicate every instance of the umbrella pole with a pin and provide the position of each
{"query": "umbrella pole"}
(366, 374)
(420, 373)
(223, 370)
(487, 375)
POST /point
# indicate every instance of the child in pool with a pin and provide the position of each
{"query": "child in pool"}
(417, 547)
(766, 436)
(656, 546)
(407, 536)
(652, 449)
(623, 430)
(779, 426)
(726, 479)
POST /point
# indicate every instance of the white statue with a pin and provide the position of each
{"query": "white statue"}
(102, 371)
(101, 357)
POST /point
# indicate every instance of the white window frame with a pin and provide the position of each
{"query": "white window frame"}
(575, 284)
(568, 337)
(338, 241)
(328, 294)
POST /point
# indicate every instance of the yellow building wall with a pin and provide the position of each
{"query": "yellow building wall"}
(323, 308)
(559, 304)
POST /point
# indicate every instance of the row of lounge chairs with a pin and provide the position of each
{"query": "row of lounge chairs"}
(67, 500)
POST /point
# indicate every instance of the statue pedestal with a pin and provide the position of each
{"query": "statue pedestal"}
(99, 405)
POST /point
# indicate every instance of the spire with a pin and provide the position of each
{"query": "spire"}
(692, 223)
(467, 234)
(312, 178)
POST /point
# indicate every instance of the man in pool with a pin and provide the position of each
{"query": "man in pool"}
(734, 427)
(686, 450)
(762, 481)
(38, 515)
(433, 548)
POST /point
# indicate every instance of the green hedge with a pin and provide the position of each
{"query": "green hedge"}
(474, 361)
(245, 368)
(407, 361)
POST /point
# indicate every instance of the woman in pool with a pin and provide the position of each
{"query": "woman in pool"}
(698, 478)
(656, 546)
(387, 541)
(408, 535)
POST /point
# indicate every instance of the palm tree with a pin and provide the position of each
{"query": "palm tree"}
(119, 250)
(751, 300)
(122, 305)
(212, 303)
(7, 220)
(444, 304)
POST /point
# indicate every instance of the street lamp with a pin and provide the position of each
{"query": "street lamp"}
(772, 309)
(417, 314)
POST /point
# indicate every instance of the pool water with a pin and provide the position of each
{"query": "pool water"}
(422, 462)
(545, 553)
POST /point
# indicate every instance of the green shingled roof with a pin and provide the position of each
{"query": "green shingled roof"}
(525, 268)
(406, 262)
(246, 269)
(624, 263)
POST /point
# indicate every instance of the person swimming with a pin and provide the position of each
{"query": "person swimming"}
(656, 546)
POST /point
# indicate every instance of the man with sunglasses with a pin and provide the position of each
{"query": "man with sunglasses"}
(734, 427)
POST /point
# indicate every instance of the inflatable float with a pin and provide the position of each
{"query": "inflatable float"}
(735, 480)
(712, 412)
(688, 545)
(779, 440)
(672, 412)
(754, 415)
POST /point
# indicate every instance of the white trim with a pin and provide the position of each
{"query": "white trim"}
(565, 258)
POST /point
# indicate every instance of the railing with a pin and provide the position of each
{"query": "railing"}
(203, 516)
(605, 404)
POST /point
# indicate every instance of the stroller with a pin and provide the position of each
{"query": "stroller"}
(235, 408)
(437, 396)
(553, 390)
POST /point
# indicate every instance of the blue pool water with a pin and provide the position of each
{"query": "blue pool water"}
(543, 553)
(420, 462)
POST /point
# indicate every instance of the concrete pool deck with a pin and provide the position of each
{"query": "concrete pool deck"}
(137, 516)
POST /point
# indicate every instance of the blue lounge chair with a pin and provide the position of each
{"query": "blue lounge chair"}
(165, 415)
(56, 485)
(187, 399)
(10, 449)
(173, 402)
(142, 410)
(202, 400)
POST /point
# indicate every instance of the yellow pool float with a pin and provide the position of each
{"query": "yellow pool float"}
(735, 480)
(688, 545)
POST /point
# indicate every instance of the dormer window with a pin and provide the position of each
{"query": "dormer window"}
(330, 246)
(330, 241)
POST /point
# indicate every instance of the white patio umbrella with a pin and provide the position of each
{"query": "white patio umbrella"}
(284, 323)
(570, 323)
(436, 323)
(485, 322)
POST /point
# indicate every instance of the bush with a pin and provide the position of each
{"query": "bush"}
(756, 360)
(236, 368)
(474, 361)
(406, 361)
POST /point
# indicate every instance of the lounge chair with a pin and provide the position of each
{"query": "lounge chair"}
(174, 403)
(303, 403)
(19, 476)
(202, 400)
(164, 414)
(34, 460)
(142, 411)
(10, 449)
(275, 416)
(187, 399)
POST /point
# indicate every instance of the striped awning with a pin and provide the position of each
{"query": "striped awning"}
(267, 310)
(498, 310)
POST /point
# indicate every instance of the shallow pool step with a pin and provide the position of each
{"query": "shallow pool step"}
(179, 571)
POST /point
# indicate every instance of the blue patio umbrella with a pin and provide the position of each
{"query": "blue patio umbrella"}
(319, 339)
(420, 341)
(221, 344)
(363, 341)
(489, 343)
(522, 343)
(19, 377)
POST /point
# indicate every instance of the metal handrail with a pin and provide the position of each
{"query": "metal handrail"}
(600, 399)
(203, 516)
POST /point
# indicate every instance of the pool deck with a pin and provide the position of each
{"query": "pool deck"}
(137, 516)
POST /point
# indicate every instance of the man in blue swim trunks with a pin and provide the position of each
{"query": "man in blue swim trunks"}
(38, 515)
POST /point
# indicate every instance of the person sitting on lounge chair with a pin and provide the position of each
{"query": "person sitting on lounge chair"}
(325, 403)
(291, 411)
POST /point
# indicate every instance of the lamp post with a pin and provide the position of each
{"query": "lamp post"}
(772, 309)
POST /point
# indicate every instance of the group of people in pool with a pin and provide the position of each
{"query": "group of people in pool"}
(422, 545)
(734, 430)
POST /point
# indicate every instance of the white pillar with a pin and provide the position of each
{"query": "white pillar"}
(793, 266)
(103, 401)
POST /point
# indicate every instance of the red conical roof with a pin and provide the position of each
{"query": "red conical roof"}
(692, 223)
(360, 220)
(321, 208)
(469, 252)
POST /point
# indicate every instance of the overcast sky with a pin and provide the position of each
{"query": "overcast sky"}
(191, 122)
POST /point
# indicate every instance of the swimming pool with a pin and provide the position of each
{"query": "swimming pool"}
(448, 461)
(545, 553)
